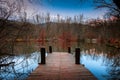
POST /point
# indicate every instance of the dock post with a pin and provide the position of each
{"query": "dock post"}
(69, 50)
(77, 56)
(43, 61)
(50, 49)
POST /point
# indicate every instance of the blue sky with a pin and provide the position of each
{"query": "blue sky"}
(69, 8)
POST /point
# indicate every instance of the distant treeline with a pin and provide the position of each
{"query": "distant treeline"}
(95, 29)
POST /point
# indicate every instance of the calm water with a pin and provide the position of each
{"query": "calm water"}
(102, 61)
(23, 66)
(103, 66)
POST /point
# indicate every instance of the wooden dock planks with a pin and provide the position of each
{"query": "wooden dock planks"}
(61, 66)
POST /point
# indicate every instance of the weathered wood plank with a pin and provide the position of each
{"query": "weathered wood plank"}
(61, 66)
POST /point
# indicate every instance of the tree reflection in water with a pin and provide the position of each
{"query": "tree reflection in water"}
(18, 66)
(113, 64)
(21, 68)
(102, 61)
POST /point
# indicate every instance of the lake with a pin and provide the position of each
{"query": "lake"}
(102, 61)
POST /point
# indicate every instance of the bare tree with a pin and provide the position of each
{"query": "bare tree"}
(11, 30)
(117, 3)
(7, 9)
(112, 5)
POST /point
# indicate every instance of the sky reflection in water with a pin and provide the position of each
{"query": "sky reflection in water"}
(104, 64)
(23, 66)
(97, 64)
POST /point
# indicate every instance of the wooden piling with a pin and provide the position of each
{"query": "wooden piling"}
(50, 49)
(77, 56)
(69, 50)
(43, 61)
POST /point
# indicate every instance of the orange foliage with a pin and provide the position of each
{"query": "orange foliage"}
(65, 39)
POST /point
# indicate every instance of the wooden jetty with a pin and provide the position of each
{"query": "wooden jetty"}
(61, 66)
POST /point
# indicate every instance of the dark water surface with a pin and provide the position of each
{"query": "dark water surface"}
(102, 61)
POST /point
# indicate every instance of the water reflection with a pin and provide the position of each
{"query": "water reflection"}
(102, 61)
(17, 65)
(103, 64)
(21, 68)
